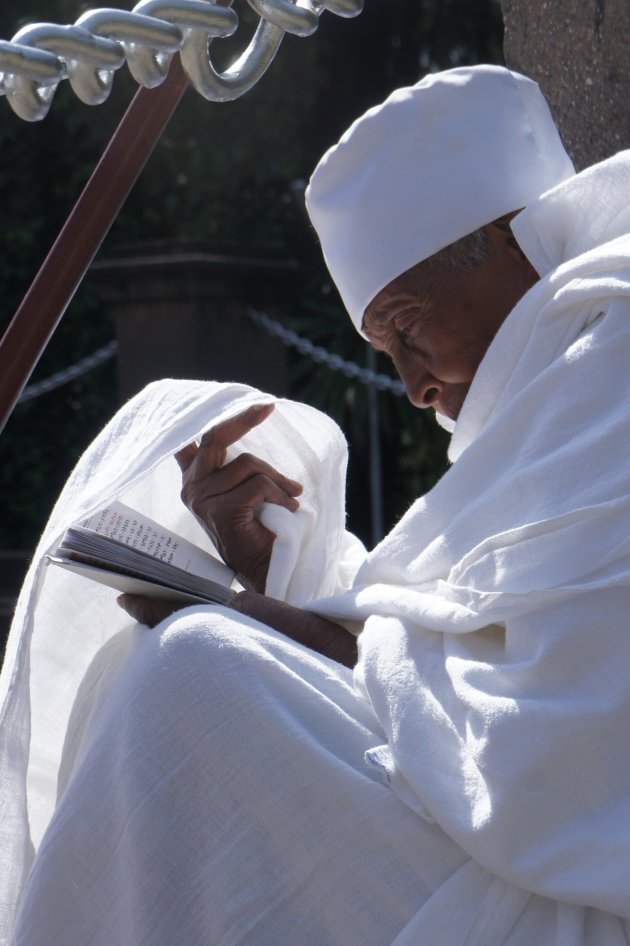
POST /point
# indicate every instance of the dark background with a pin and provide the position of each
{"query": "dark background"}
(228, 177)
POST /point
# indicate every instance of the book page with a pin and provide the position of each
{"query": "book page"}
(129, 527)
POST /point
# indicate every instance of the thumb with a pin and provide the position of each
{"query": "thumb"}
(147, 611)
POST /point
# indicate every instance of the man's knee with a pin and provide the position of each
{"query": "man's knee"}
(171, 685)
(192, 651)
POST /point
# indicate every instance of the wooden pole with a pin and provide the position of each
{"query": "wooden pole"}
(81, 236)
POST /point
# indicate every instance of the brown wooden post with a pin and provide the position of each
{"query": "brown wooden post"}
(85, 229)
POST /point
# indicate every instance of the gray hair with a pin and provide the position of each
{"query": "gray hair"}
(464, 254)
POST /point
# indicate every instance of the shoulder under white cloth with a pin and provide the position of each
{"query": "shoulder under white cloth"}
(501, 673)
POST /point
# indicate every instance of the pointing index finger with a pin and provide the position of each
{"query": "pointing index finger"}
(229, 431)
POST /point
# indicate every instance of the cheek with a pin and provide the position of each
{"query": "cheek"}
(459, 354)
(456, 363)
(456, 370)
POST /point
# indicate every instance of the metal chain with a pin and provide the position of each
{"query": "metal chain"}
(89, 52)
(318, 354)
(69, 374)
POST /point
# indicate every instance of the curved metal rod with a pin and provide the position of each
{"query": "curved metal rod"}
(241, 75)
(82, 55)
(71, 42)
(29, 100)
(132, 28)
(345, 8)
(149, 67)
(300, 18)
(192, 14)
(34, 64)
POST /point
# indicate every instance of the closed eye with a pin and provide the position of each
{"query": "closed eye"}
(407, 327)
(407, 334)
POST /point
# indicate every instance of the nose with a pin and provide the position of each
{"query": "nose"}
(423, 389)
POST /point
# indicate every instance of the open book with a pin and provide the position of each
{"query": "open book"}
(130, 552)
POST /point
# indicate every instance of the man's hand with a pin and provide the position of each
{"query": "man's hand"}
(226, 499)
(149, 611)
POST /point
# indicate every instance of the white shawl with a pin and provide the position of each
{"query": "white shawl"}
(62, 621)
(496, 650)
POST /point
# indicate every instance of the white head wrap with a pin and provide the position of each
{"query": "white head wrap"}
(431, 164)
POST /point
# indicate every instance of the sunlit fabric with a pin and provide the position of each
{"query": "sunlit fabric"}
(183, 785)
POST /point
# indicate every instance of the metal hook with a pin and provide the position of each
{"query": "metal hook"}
(242, 75)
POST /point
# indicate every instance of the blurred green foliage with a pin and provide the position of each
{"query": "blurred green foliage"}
(231, 176)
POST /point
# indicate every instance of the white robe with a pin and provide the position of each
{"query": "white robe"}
(491, 696)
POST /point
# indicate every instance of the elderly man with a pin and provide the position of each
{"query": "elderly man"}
(224, 778)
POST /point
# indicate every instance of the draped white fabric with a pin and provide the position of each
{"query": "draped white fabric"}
(492, 691)
(63, 621)
(502, 669)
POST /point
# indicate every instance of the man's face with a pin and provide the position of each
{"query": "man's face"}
(436, 322)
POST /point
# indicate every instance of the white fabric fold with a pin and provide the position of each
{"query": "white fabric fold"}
(62, 621)
(502, 667)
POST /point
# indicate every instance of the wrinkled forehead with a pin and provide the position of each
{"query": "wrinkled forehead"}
(414, 288)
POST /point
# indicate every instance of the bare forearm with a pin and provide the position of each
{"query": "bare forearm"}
(303, 627)
(319, 634)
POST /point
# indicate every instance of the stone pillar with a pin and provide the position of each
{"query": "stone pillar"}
(577, 50)
(182, 313)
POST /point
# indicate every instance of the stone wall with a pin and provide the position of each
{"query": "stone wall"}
(577, 50)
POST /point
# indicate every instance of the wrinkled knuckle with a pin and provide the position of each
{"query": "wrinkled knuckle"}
(196, 507)
(246, 461)
(259, 483)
